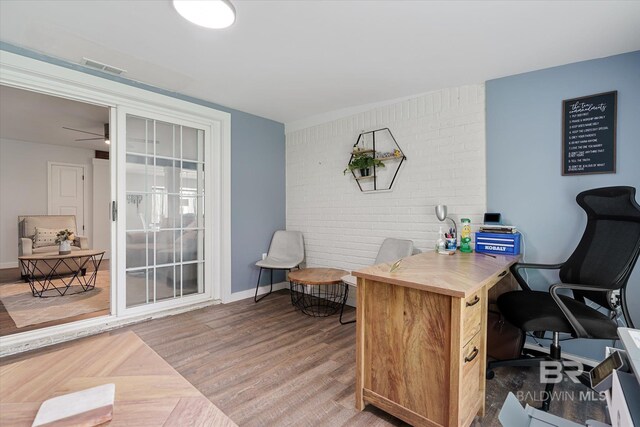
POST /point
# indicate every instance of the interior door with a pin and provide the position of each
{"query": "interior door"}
(66, 191)
(162, 217)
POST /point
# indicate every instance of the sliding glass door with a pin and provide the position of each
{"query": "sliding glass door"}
(166, 195)
(164, 212)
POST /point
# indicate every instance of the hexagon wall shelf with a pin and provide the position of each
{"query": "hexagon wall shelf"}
(380, 145)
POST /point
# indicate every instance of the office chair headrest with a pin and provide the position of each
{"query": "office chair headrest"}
(612, 203)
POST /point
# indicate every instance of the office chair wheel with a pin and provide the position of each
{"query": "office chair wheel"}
(490, 374)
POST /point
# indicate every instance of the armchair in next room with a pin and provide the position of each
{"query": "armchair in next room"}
(36, 235)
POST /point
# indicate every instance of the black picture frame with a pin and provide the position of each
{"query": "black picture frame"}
(589, 134)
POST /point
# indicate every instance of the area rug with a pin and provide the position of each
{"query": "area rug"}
(26, 309)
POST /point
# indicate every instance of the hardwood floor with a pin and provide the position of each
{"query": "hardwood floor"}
(267, 365)
(8, 326)
(146, 387)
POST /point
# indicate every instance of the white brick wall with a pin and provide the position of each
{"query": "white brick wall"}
(441, 133)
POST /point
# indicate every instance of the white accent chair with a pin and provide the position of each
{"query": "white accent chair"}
(285, 252)
(391, 250)
(27, 229)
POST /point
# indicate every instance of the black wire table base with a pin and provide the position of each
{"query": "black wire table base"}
(41, 283)
(319, 300)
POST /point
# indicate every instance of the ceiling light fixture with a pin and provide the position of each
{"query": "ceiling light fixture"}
(207, 13)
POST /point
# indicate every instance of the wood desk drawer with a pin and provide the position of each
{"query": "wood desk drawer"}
(472, 359)
(472, 317)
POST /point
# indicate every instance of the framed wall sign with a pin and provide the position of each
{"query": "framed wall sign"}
(589, 134)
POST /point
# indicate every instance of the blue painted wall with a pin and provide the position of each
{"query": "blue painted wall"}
(258, 203)
(524, 180)
(257, 175)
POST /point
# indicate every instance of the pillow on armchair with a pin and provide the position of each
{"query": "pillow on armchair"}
(44, 237)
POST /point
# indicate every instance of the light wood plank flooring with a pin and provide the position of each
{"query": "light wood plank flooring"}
(8, 326)
(267, 365)
(147, 388)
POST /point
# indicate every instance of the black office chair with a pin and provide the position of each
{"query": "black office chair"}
(598, 270)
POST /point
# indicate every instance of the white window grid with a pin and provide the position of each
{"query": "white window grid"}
(189, 192)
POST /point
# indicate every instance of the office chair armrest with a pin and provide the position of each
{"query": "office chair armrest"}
(515, 270)
(577, 327)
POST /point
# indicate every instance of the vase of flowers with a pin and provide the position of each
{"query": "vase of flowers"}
(64, 238)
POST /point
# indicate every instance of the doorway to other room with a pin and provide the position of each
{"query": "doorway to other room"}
(55, 178)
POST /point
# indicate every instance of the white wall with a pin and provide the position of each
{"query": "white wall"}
(442, 133)
(101, 205)
(23, 187)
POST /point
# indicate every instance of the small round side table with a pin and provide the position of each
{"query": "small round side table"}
(318, 292)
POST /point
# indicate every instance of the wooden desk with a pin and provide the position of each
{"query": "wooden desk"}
(148, 390)
(421, 336)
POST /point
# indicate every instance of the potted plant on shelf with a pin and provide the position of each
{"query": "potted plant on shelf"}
(363, 162)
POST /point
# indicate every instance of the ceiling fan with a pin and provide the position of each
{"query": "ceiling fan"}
(104, 136)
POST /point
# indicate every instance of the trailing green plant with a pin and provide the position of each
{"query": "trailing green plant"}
(363, 161)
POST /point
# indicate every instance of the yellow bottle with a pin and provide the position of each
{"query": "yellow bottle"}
(465, 236)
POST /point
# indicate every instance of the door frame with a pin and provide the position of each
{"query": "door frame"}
(69, 82)
(85, 195)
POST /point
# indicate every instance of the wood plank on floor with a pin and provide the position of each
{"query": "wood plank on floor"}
(147, 390)
(8, 326)
(266, 364)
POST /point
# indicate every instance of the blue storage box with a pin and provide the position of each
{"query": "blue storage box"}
(498, 243)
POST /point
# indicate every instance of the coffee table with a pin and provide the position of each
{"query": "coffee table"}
(318, 292)
(76, 262)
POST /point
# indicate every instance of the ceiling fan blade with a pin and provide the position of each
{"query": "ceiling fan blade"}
(83, 131)
(91, 139)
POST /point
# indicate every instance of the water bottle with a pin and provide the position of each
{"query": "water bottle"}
(465, 236)
(440, 243)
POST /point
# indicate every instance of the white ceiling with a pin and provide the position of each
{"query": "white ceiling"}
(288, 60)
(34, 117)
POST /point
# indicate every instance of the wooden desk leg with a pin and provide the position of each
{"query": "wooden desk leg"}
(360, 344)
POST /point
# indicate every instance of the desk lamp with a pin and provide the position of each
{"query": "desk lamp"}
(441, 213)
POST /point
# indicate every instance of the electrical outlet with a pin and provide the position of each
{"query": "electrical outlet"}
(264, 256)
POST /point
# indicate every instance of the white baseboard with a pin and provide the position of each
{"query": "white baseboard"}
(250, 293)
(10, 264)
